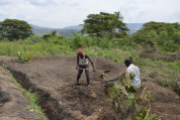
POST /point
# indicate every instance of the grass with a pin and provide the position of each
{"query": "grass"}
(168, 71)
(33, 97)
(27, 50)
(33, 47)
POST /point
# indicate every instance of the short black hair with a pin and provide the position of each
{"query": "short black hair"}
(127, 62)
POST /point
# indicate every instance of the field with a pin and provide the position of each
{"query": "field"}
(38, 74)
(54, 78)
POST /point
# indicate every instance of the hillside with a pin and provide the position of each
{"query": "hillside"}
(39, 27)
(133, 27)
(66, 31)
(73, 27)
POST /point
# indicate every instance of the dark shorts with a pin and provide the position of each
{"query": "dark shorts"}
(80, 72)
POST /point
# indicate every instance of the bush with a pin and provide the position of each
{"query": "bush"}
(22, 57)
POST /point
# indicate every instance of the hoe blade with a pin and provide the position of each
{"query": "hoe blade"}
(111, 81)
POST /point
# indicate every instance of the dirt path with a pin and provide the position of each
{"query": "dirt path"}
(55, 77)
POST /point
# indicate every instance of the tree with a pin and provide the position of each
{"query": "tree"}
(15, 29)
(116, 22)
(143, 36)
(103, 23)
(53, 33)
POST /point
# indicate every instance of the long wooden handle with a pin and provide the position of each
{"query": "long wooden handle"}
(106, 71)
(88, 69)
(82, 68)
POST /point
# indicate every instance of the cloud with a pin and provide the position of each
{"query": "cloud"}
(74, 4)
(62, 13)
(151, 10)
(41, 2)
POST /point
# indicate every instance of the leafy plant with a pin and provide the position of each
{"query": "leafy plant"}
(142, 115)
(42, 117)
(130, 99)
(153, 100)
(101, 75)
(116, 91)
(22, 57)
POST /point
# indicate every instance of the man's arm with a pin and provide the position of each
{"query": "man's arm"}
(90, 61)
(77, 62)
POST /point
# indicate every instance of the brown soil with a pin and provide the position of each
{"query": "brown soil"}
(54, 78)
(12, 101)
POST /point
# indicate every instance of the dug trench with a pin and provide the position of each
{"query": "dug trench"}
(13, 103)
(53, 78)
(48, 104)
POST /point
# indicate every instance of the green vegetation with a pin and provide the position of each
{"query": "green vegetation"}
(141, 116)
(116, 49)
(53, 35)
(101, 75)
(12, 29)
(104, 24)
(155, 49)
(161, 35)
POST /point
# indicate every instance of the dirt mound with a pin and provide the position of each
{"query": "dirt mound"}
(54, 78)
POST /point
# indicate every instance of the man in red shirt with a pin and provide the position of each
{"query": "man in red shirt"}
(82, 63)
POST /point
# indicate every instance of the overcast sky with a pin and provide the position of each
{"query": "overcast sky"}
(62, 13)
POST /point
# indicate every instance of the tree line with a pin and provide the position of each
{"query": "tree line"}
(101, 25)
(108, 29)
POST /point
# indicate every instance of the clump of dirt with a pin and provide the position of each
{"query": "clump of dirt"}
(4, 97)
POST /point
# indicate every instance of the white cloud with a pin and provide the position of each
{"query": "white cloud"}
(62, 13)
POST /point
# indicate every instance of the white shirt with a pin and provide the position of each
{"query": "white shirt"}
(83, 61)
(136, 71)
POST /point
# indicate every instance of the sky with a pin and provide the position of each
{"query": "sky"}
(63, 13)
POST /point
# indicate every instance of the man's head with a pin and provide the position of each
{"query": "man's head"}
(79, 52)
(127, 62)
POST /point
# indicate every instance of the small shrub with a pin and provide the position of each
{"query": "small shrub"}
(22, 57)
(101, 75)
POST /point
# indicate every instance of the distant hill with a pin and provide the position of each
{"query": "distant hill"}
(133, 27)
(66, 31)
(38, 30)
(73, 27)
(38, 27)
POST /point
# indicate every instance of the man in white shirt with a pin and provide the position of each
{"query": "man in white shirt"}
(134, 69)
